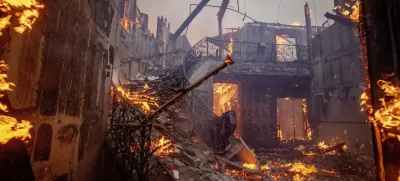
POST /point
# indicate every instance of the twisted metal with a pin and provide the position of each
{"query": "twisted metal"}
(129, 144)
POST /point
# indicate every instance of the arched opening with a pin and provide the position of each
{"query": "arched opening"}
(43, 142)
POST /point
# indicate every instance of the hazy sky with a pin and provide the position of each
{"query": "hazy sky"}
(206, 23)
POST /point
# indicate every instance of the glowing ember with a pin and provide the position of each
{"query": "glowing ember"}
(296, 23)
(27, 12)
(164, 147)
(265, 167)
(228, 60)
(140, 98)
(230, 47)
(303, 169)
(251, 166)
(322, 145)
(352, 12)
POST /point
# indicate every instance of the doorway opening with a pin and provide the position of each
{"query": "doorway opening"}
(292, 119)
(226, 98)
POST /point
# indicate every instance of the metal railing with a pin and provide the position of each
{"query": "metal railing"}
(245, 51)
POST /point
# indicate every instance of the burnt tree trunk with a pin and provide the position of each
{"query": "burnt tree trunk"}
(378, 31)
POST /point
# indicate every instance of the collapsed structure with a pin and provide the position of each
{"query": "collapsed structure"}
(273, 96)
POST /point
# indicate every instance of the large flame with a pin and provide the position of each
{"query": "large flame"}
(10, 128)
(303, 169)
(352, 12)
(27, 12)
(388, 114)
(124, 21)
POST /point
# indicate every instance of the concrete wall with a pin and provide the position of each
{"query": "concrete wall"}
(337, 85)
(131, 48)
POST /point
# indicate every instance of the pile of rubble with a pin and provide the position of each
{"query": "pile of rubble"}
(212, 152)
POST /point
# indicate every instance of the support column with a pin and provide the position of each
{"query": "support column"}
(378, 54)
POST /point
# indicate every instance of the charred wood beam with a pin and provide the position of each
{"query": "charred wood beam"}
(340, 19)
(379, 54)
(190, 18)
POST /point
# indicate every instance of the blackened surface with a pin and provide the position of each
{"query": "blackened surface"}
(14, 162)
(48, 103)
(43, 142)
(103, 12)
(75, 67)
(63, 177)
(67, 133)
(83, 131)
(111, 55)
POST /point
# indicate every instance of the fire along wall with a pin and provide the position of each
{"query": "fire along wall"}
(62, 69)
(338, 83)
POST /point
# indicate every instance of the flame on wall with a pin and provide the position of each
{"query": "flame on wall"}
(140, 98)
(387, 116)
(230, 47)
(26, 12)
(352, 12)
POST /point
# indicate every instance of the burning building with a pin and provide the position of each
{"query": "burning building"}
(268, 87)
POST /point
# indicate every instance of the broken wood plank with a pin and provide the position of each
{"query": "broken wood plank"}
(245, 154)
(233, 149)
(237, 166)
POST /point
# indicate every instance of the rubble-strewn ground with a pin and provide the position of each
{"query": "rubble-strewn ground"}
(331, 166)
(193, 161)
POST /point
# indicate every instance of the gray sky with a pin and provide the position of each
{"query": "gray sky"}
(206, 23)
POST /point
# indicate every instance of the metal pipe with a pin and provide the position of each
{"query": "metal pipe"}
(228, 61)
(190, 18)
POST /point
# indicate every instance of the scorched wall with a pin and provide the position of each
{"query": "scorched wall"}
(63, 75)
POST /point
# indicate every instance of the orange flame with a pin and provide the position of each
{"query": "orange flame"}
(230, 47)
(140, 98)
(251, 166)
(352, 12)
(388, 114)
(165, 147)
(10, 128)
(322, 145)
(124, 21)
(26, 17)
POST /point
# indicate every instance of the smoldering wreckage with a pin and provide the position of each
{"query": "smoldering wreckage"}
(151, 134)
(182, 149)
